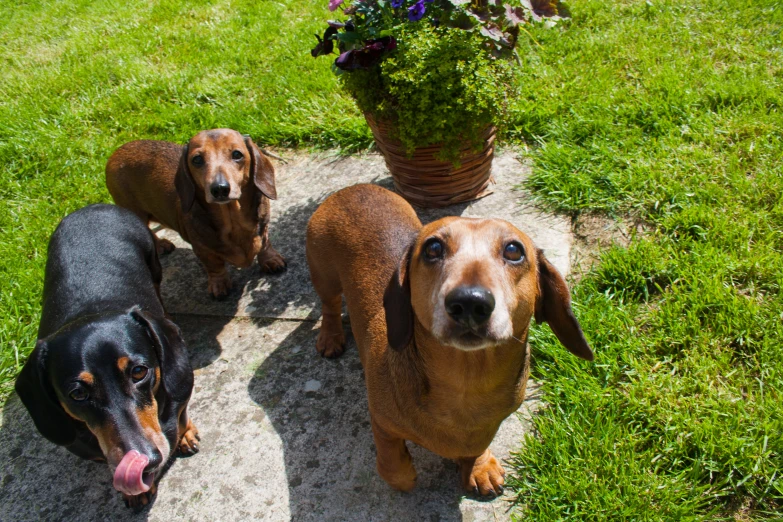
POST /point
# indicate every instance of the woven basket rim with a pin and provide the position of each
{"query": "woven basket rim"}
(426, 181)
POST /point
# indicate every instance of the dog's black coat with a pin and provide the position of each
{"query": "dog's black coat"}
(100, 306)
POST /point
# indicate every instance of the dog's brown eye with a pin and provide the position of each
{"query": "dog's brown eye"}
(79, 394)
(513, 251)
(138, 373)
(433, 249)
(237, 155)
(197, 160)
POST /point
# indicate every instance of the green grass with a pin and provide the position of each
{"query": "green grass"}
(667, 111)
(672, 112)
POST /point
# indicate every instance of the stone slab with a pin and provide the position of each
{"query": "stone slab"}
(285, 436)
(302, 185)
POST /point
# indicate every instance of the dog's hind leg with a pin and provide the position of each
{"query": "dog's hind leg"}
(162, 246)
(331, 338)
(269, 259)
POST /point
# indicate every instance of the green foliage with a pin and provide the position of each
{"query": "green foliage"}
(440, 85)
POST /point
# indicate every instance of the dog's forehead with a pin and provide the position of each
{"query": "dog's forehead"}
(459, 230)
(216, 139)
(98, 346)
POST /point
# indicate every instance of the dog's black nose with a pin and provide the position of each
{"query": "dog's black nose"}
(470, 305)
(220, 189)
(155, 460)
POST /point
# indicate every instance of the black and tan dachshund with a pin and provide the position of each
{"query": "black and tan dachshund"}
(109, 377)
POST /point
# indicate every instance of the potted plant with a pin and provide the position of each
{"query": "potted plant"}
(432, 78)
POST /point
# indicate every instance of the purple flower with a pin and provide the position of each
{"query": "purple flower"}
(366, 57)
(416, 11)
(397, 3)
(334, 4)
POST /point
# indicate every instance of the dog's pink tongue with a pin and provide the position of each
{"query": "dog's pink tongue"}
(128, 475)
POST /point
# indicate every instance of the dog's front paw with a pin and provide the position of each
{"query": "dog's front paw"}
(330, 345)
(331, 339)
(188, 444)
(483, 475)
(137, 502)
(164, 246)
(396, 467)
(219, 285)
(271, 262)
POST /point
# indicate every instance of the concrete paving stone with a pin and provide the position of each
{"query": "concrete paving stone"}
(285, 433)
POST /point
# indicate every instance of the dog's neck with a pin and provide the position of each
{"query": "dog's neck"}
(235, 222)
(429, 366)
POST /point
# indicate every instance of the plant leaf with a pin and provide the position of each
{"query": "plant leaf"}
(515, 15)
(543, 8)
(492, 32)
(349, 38)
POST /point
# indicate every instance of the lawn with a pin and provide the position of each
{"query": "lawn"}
(666, 112)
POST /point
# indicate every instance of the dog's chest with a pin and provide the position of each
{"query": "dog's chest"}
(455, 434)
(461, 422)
(239, 240)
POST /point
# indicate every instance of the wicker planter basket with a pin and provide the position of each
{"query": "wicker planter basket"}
(427, 182)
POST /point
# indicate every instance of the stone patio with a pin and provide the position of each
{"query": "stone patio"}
(285, 433)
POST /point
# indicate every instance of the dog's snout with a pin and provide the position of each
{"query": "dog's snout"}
(220, 188)
(155, 460)
(470, 305)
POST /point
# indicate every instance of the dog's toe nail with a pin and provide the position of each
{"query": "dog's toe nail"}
(501, 489)
(476, 490)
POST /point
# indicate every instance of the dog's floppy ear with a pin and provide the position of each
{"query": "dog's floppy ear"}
(262, 170)
(175, 369)
(397, 304)
(553, 305)
(183, 182)
(38, 396)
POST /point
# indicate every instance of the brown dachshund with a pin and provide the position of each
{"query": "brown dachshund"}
(440, 314)
(214, 192)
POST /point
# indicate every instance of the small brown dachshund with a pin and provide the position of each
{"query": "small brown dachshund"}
(441, 315)
(214, 192)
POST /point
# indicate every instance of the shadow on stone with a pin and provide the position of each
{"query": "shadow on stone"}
(290, 294)
(43, 481)
(318, 407)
